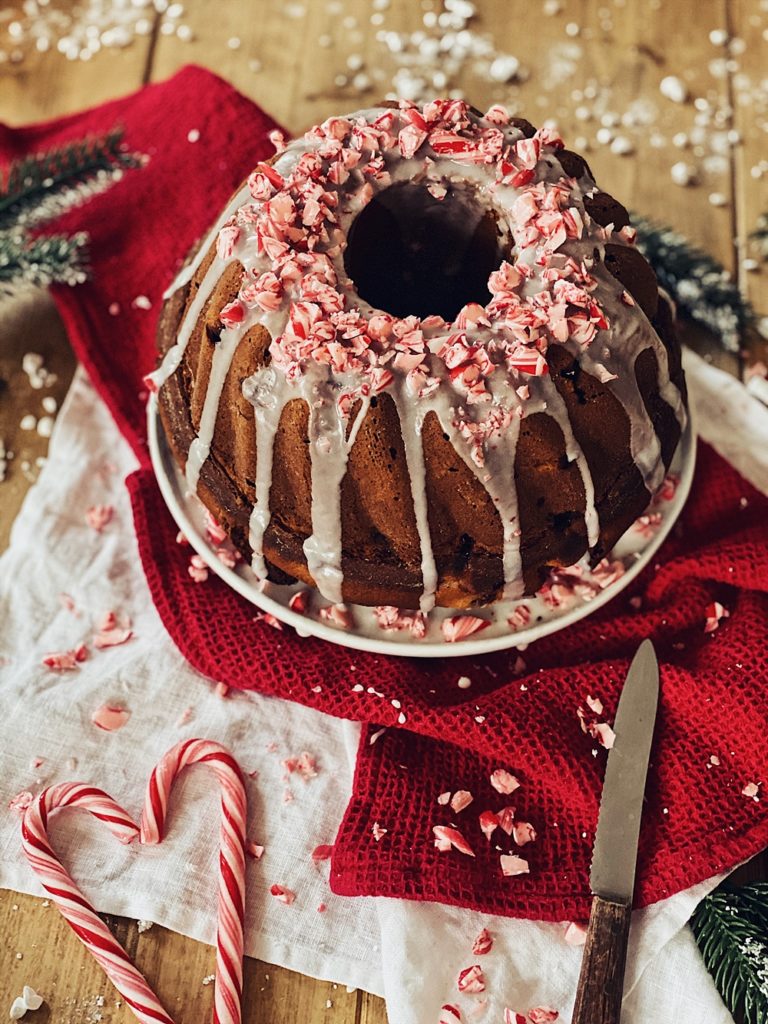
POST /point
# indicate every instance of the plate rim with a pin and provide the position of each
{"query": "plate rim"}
(162, 459)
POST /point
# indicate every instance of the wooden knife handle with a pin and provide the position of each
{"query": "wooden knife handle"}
(601, 982)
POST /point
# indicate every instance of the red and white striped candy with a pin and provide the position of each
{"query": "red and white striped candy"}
(80, 915)
(229, 938)
(84, 920)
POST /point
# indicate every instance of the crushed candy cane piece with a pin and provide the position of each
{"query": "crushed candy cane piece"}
(377, 831)
(321, 908)
(751, 790)
(449, 1014)
(575, 934)
(523, 832)
(504, 782)
(483, 943)
(283, 894)
(542, 1015)
(507, 819)
(99, 516)
(110, 717)
(65, 661)
(471, 979)
(714, 614)
(447, 837)
(605, 734)
(111, 632)
(269, 619)
(444, 798)
(338, 615)
(461, 798)
(19, 803)
(305, 766)
(459, 627)
(489, 821)
(254, 850)
(197, 569)
(322, 852)
(513, 1017)
(511, 864)
(595, 704)
(299, 602)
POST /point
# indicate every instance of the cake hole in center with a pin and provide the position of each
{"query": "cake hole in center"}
(409, 253)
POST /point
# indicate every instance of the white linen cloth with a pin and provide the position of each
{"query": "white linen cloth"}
(407, 952)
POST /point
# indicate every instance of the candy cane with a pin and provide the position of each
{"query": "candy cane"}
(82, 918)
(229, 940)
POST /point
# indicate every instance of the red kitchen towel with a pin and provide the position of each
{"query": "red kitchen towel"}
(519, 712)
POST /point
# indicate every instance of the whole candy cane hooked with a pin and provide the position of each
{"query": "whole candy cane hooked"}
(83, 919)
(229, 941)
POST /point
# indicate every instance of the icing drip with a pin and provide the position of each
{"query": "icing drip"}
(200, 448)
(411, 424)
(174, 355)
(265, 390)
(329, 451)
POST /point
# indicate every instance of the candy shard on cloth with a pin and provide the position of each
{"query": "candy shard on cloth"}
(752, 790)
(471, 979)
(513, 1017)
(461, 798)
(575, 933)
(378, 832)
(449, 1014)
(489, 821)
(483, 943)
(511, 864)
(321, 853)
(283, 894)
(504, 782)
(542, 1015)
(65, 661)
(447, 837)
(110, 717)
(99, 516)
(714, 615)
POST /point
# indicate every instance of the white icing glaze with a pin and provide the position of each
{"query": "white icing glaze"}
(269, 390)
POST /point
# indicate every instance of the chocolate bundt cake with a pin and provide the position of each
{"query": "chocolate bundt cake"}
(418, 360)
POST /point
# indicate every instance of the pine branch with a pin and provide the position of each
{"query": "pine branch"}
(51, 259)
(700, 286)
(31, 181)
(731, 929)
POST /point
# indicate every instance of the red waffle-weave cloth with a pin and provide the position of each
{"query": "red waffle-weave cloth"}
(515, 715)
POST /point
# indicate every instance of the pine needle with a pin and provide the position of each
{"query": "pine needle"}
(731, 929)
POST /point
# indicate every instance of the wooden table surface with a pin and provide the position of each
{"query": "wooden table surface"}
(304, 61)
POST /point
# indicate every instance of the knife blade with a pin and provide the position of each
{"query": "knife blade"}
(614, 855)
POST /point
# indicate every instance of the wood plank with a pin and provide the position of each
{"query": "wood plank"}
(748, 29)
(45, 85)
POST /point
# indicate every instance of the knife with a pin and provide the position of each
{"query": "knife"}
(612, 878)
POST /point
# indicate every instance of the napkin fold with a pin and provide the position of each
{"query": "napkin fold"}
(519, 713)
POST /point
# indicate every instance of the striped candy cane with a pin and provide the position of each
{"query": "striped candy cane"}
(86, 923)
(82, 918)
(229, 940)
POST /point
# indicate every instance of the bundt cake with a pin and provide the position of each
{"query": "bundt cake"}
(418, 361)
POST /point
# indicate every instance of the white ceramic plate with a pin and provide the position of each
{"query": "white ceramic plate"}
(634, 550)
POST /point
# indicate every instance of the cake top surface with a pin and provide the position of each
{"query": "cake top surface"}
(291, 229)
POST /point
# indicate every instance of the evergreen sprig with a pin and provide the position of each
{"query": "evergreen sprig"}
(40, 187)
(702, 288)
(33, 180)
(731, 929)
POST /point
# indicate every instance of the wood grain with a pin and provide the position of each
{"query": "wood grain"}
(601, 981)
(277, 59)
